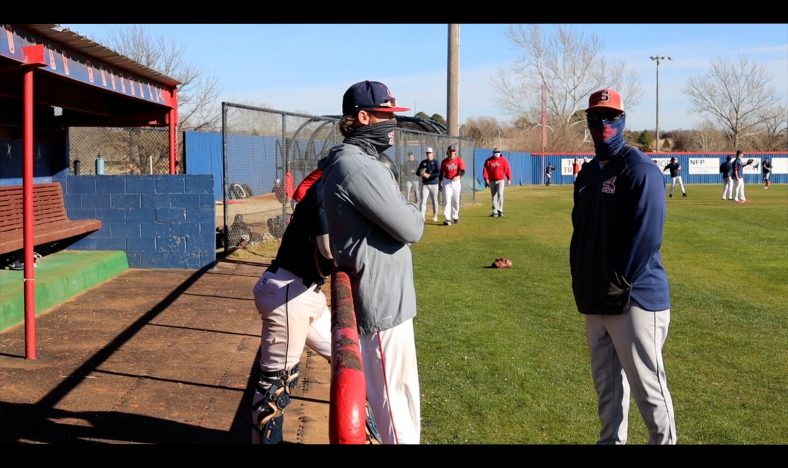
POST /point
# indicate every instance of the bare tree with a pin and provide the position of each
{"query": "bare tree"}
(487, 131)
(736, 96)
(773, 132)
(571, 67)
(198, 95)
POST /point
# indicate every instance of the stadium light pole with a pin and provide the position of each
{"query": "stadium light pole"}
(657, 58)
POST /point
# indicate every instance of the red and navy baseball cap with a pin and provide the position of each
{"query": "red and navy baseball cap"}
(606, 98)
(369, 95)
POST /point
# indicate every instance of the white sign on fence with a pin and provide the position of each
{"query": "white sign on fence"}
(661, 162)
(704, 165)
(780, 166)
(566, 165)
(754, 168)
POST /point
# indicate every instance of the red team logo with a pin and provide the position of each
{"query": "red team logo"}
(609, 186)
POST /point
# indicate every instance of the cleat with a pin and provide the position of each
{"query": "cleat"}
(456, 220)
(447, 223)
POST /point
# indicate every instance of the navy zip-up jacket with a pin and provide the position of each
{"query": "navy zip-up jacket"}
(431, 167)
(618, 217)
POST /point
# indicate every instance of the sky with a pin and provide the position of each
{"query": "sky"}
(307, 67)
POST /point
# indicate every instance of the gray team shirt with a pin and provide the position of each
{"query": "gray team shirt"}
(370, 225)
(410, 170)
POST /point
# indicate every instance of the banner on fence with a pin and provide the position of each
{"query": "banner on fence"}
(704, 165)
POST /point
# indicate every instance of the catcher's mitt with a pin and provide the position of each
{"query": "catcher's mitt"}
(502, 262)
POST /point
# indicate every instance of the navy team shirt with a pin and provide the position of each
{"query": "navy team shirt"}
(618, 218)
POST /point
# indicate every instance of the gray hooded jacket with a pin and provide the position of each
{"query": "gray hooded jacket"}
(370, 225)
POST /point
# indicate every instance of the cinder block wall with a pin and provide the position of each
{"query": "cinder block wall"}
(160, 221)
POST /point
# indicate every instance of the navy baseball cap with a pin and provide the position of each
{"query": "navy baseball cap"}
(369, 95)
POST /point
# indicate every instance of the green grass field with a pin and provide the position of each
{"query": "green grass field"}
(502, 353)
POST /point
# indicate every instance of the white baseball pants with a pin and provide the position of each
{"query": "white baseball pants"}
(451, 190)
(727, 188)
(673, 184)
(626, 349)
(738, 190)
(392, 376)
(293, 315)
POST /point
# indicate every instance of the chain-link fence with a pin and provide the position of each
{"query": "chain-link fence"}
(267, 153)
(123, 151)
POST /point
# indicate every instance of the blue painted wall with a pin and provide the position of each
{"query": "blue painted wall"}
(254, 160)
(203, 155)
(160, 221)
(49, 161)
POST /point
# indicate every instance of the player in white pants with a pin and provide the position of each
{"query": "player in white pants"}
(635, 340)
(452, 169)
(675, 176)
(390, 363)
(726, 169)
(429, 171)
(294, 312)
(738, 179)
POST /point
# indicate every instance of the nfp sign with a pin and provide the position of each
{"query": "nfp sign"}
(704, 165)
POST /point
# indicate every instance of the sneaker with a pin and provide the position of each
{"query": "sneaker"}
(500, 213)
(456, 220)
(435, 218)
(670, 196)
(447, 223)
(683, 194)
(494, 215)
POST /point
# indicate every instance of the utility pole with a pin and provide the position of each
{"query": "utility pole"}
(657, 59)
(453, 79)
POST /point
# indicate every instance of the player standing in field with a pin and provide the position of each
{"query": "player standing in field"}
(452, 169)
(675, 176)
(496, 173)
(618, 280)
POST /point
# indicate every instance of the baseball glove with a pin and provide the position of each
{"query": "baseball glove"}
(502, 262)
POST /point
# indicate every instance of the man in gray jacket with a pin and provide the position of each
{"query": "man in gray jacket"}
(370, 225)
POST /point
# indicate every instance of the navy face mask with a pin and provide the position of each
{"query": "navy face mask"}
(373, 139)
(608, 134)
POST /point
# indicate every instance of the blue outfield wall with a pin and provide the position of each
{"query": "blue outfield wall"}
(160, 221)
(256, 161)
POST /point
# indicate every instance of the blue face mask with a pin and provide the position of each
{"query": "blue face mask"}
(608, 134)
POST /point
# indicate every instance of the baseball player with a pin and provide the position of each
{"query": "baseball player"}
(412, 181)
(429, 170)
(548, 173)
(294, 312)
(738, 180)
(766, 168)
(371, 226)
(452, 169)
(618, 280)
(675, 176)
(726, 169)
(496, 174)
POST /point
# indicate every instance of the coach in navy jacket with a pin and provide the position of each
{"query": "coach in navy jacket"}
(617, 275)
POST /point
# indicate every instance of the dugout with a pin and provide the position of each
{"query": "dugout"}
(52, 79)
